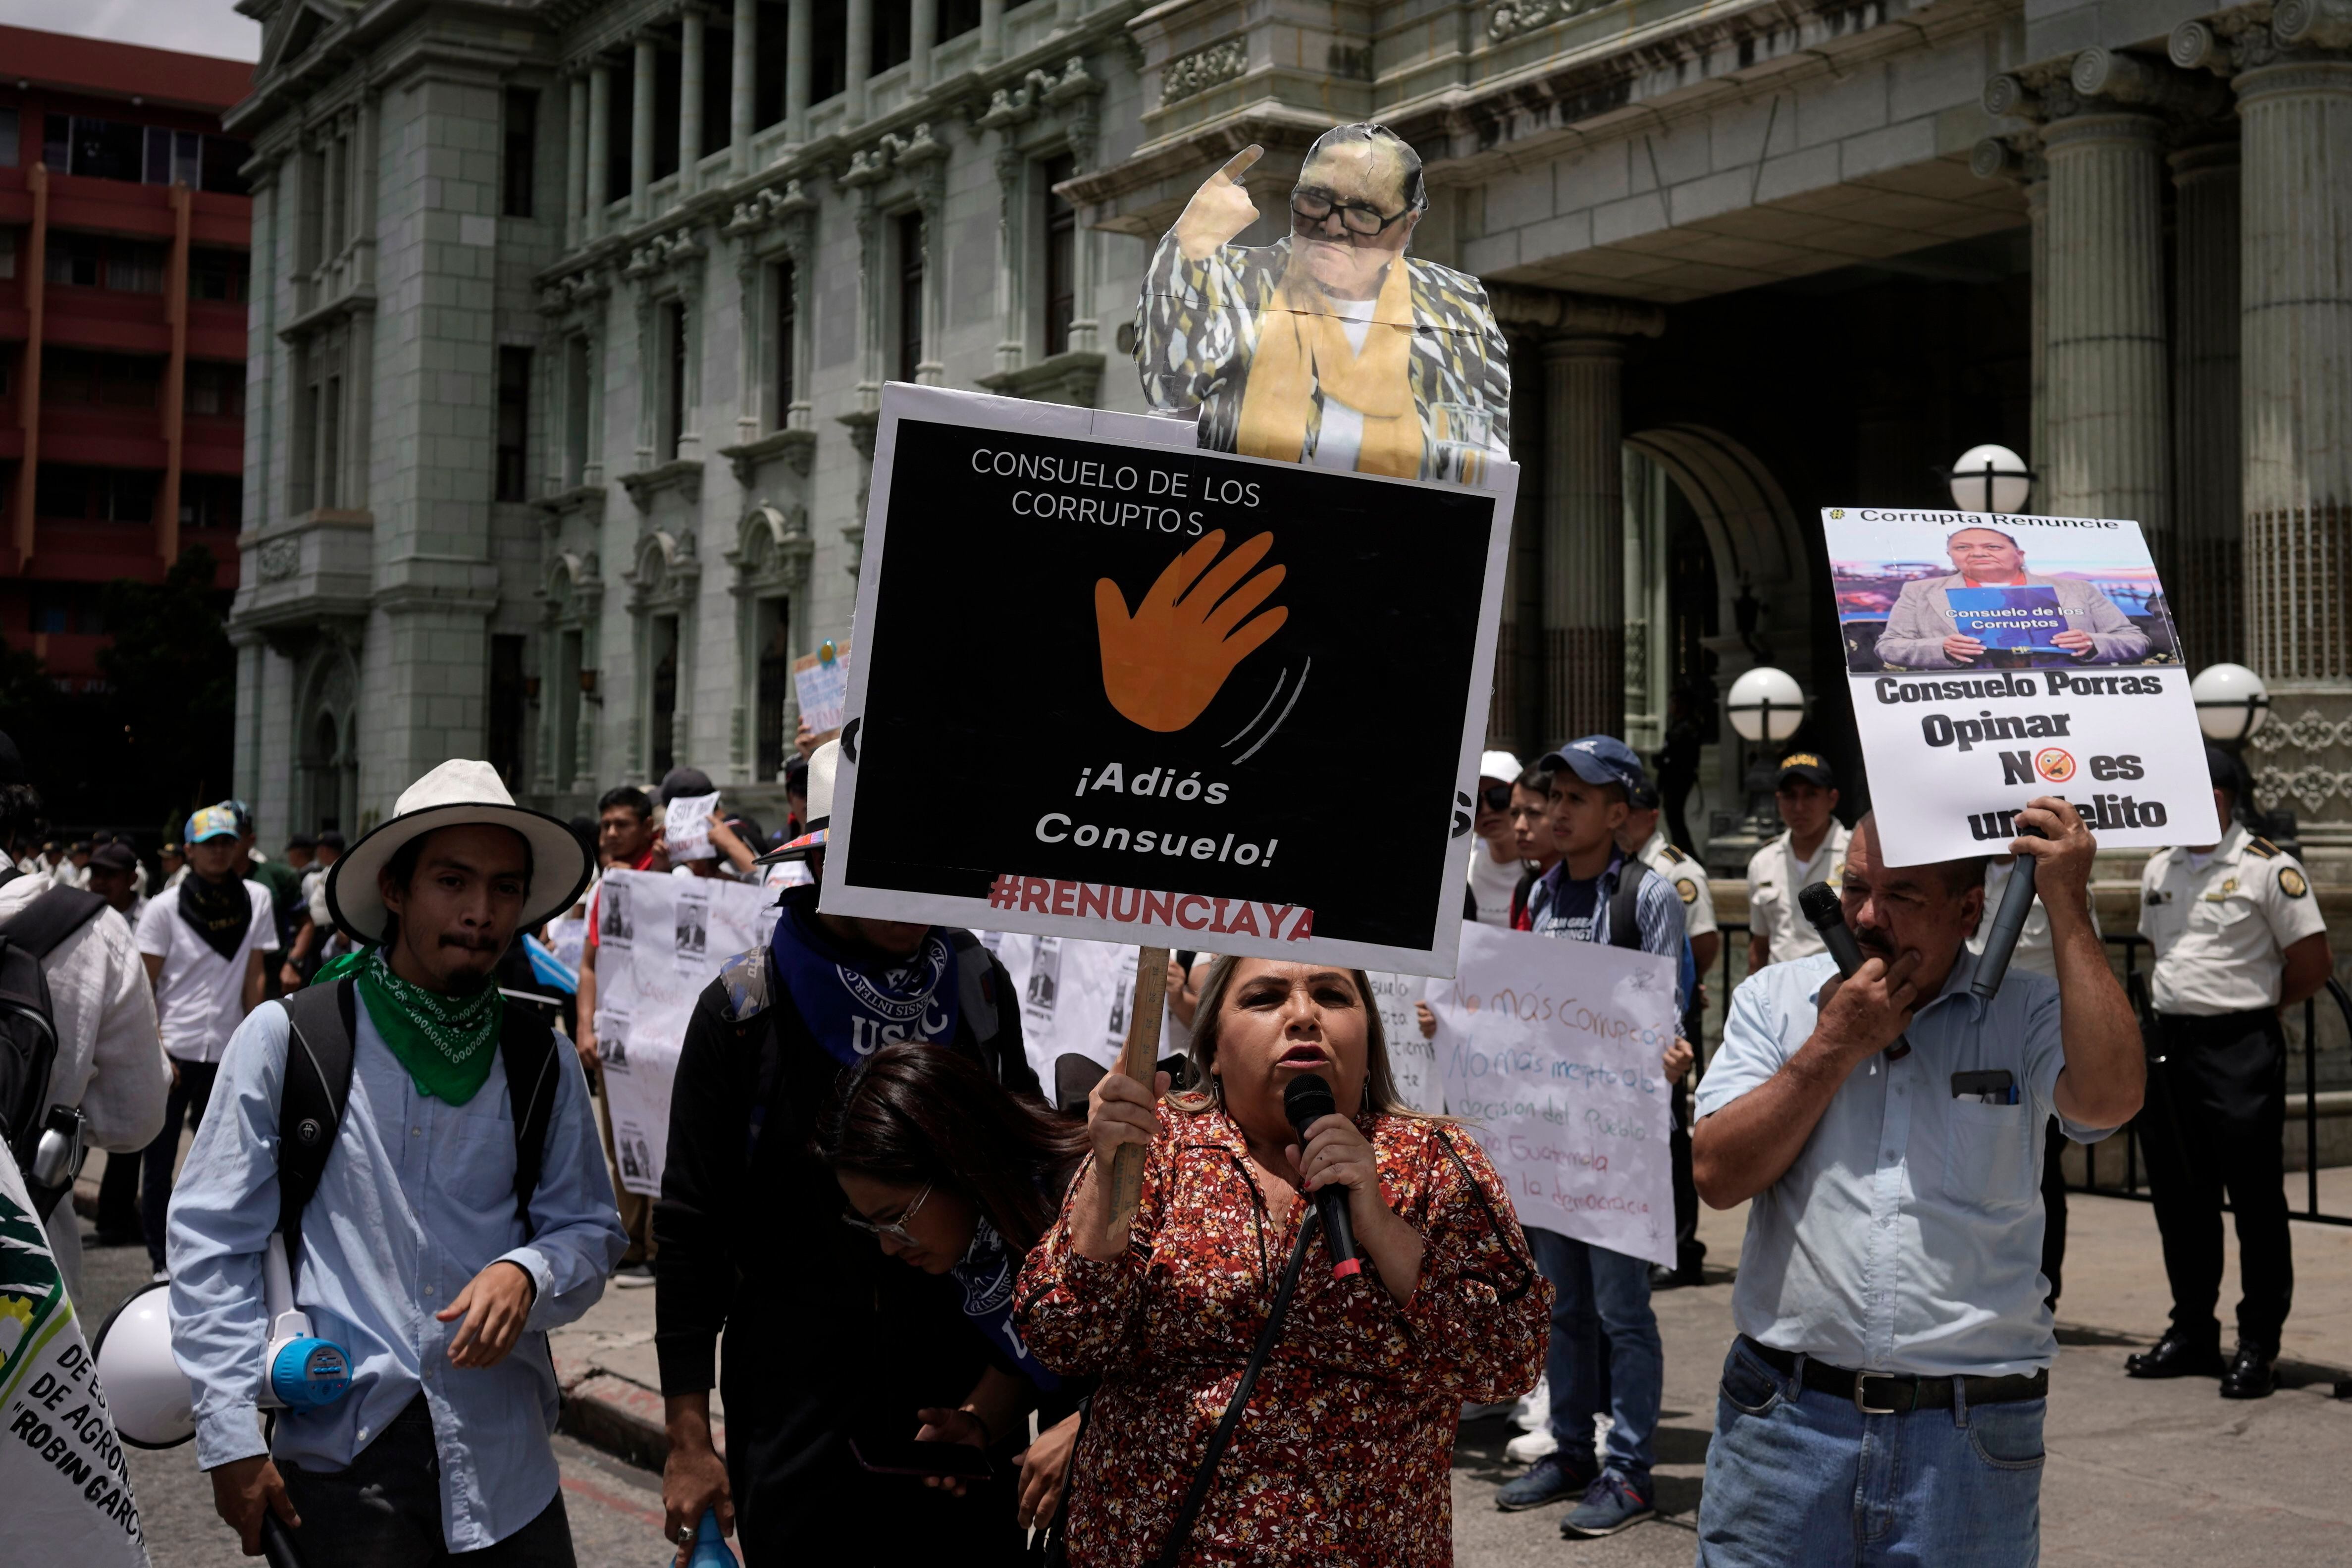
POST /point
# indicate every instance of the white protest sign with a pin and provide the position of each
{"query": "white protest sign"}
(1993, 658)
(686, 828)
(1553, 1052)
(659, 940)
(820, 684)
(61, 1465)
(1412, 1058)
(1074, 998)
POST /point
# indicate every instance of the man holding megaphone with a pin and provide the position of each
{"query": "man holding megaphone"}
(428, 1157)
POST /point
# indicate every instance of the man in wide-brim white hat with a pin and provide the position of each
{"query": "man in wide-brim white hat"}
(428, 1249)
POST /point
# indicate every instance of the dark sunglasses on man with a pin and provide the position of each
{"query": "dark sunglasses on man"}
(1311, 208)
(1496, 797)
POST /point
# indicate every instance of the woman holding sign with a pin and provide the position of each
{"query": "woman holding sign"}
(1348, 1437)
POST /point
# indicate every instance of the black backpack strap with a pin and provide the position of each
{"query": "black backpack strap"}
(320, 1048)
(974, 991)
(526, 1045)
(41, 925)
(1624, 922)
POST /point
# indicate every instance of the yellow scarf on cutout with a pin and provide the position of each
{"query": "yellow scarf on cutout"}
(1301, 346)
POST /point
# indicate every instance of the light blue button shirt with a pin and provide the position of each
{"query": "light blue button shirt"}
(418, 1198)
(1907, 1235)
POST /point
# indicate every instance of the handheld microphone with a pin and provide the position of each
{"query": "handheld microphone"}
(1307, 1101)
(277, 1543)
(1819, 901)
(2008, 922)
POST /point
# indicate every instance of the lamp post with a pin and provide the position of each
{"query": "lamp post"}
(1989, 479)
(1767, 706)
(2231, 704)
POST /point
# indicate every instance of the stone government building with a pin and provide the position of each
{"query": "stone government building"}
(570, 317)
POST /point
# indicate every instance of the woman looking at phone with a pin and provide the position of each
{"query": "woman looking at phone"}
(956, 1176)
(1345, 1452)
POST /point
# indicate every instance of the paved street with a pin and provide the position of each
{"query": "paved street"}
(2153, 1475)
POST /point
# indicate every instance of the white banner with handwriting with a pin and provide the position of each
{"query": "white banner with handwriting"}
(1553, 1051)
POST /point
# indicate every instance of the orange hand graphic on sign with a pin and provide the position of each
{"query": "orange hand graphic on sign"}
(1164, 665)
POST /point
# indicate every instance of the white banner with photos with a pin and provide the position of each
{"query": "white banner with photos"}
(1553, 1052)
(1075, 998)
(659, 940)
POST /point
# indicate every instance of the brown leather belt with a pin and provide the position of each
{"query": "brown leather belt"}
(1900, 1393)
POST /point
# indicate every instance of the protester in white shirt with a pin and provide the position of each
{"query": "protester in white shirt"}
(107, 1059)
(203, 942)
(1495, 863)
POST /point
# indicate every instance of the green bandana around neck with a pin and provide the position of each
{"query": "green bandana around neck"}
(446, 1043)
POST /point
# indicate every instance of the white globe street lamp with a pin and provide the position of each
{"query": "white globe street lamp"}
(1766, 705)
(1991, 478)
(2231, 702)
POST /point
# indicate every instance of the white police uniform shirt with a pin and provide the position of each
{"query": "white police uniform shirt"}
(2221, 929)
(1687, 877)
(2035, 949)
(1775, 877)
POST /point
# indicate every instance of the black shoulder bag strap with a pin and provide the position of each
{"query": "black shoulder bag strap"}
(40, 926)
(318, 1089)
(1625, 918)
(320, 1048)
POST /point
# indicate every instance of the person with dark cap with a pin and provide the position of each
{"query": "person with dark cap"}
(1810, 848)
(114, 877)
(2239, 937)
(1598, 893)
(107, 1066)
(826, 1338)
(173, 858)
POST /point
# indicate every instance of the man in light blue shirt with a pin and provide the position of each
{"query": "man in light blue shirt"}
(417, 1255)
(1883, 1401)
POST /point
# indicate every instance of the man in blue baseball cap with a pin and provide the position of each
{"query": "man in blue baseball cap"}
(1599, 893)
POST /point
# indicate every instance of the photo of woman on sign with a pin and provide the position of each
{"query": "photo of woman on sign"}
(1989, 610)
(1330, 346)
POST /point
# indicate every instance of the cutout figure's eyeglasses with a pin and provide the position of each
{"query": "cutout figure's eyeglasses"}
(1311, 206)
(896, 1229)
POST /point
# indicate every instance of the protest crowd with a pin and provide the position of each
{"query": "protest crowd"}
(969, 1290)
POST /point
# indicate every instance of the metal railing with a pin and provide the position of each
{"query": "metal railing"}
(2135, 979)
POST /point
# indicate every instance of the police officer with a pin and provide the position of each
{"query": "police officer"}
(1811, 849)
(1646, 842)
(2238, 936)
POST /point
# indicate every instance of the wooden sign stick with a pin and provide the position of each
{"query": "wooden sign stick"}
(1138, 1061)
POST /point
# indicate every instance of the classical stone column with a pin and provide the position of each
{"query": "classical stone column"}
(689, 100)
(2200, 572)
(2108, 419)
(992, 31)
(923, 31)
(1583, 539)
(600, 148)
(743, 119)
(2295, 387)
(576, 167)
(641, 128)
(799, 43)
(2037, 216)
(858, 50)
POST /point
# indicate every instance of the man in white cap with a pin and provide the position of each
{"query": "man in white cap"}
(458, 1206)
(1495, 864)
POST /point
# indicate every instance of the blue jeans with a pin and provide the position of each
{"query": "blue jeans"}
(1799, 1479)
(1597, 1291)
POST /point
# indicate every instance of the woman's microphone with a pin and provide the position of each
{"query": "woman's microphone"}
(1307, 1101)
(1819, 901)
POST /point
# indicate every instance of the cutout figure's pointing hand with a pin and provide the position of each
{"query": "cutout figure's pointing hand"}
(1220, 209)
(1164, 665)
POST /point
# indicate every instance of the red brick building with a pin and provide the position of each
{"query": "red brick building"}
(124, 241)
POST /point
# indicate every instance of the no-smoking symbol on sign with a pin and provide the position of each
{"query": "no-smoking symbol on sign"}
(2054, 764)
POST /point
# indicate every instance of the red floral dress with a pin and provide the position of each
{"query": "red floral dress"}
(1345, 1453)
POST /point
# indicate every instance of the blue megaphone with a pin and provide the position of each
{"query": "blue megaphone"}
(305, 1371)
(710, 1547)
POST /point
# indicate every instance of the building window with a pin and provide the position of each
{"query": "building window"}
(514, 423)
(215, 389)
(86, 261)
(669, 81)
(577, 362)
(910, 295)
(620, 118)
(212, 500)
(505, 740)
(828, 48)
(894, 34)
(788, 332)
(79, 378)
(664, 727)
(68, 492)
(673, 338)
(768, 65)
(522, 150)
(175, 157)
(773, 628)
(330, 442)
(98, 148)
(7, 251)
(224, 159)
(67, 608)
(218, 276)
(1061, 258)
(564, 692)
(718, 91)
(958, 16)
(7, 138)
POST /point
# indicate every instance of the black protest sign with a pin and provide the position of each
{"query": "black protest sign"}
(1147, 693)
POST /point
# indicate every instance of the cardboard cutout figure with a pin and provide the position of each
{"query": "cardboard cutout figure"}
(1330, 346)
